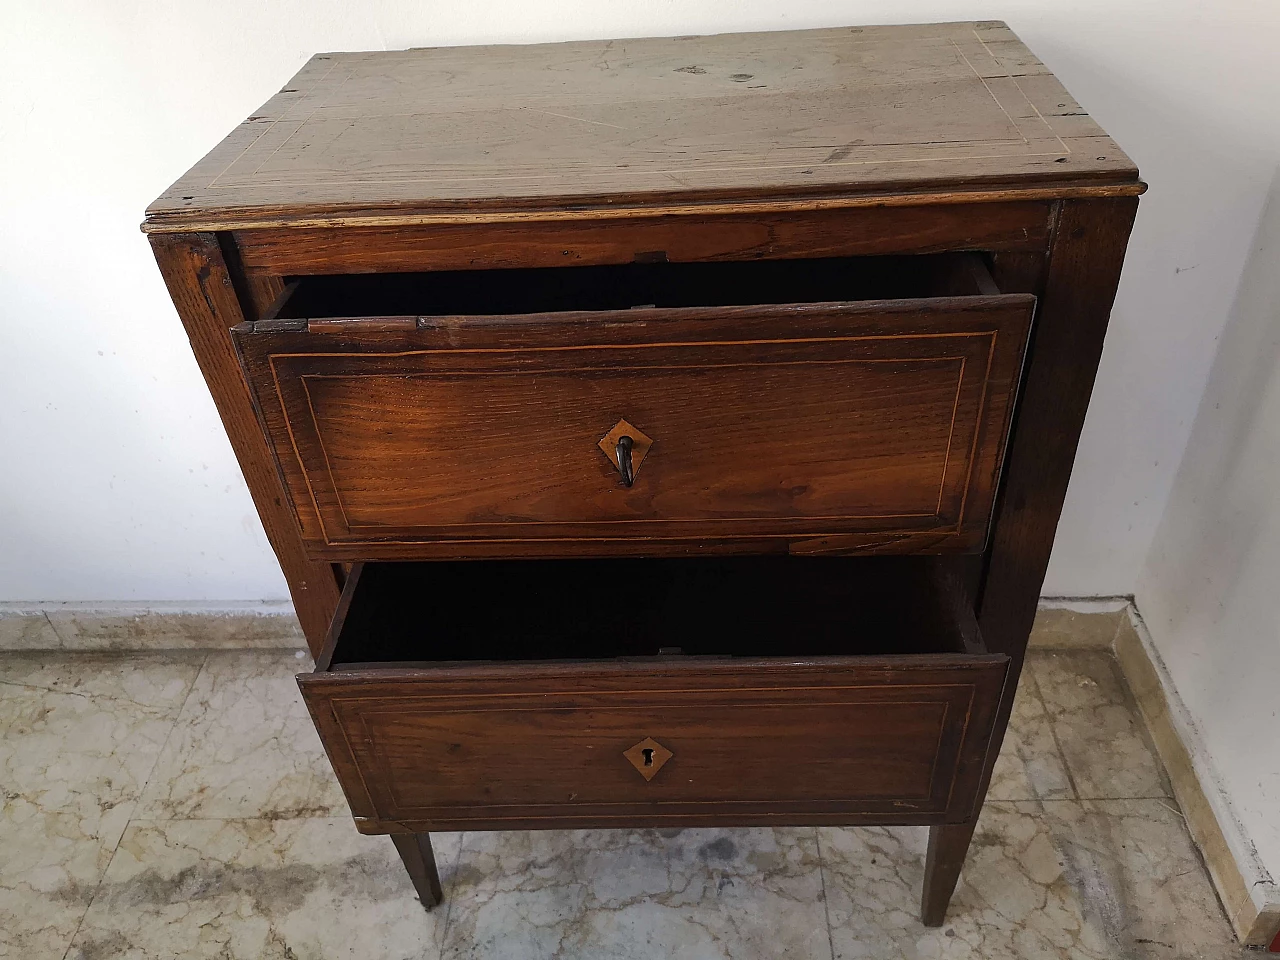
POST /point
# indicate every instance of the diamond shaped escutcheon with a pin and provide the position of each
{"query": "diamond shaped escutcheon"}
(648, 756)
(640, 449)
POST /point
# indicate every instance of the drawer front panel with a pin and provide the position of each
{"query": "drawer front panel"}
(823, 422)
(759, 742)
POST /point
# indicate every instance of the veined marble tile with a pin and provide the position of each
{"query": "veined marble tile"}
(639, 894)
(244, 746)
(153, 682)
(259, 890)
(1097, 724)
(79, 735)
(1059, 880)
(1167, 903)
(1030, 766)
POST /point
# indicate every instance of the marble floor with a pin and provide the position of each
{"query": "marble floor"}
(179, 805)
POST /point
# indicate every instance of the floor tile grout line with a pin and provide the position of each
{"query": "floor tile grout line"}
(1138, 717)
(195, 682)
(448, 910)
(1053, 733)
(142, 787)
(62, 643)
(1198, 854)
(97, 886)
(1018, 746)
(826, 902)
(247, 818)
(1161, 800)
(1129, 702)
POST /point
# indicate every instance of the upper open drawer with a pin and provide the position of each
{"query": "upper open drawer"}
(840, 405)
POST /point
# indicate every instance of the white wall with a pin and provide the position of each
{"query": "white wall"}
(116, 480)
(1210, 591)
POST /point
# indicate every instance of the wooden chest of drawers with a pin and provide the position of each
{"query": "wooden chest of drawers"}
(661, 432)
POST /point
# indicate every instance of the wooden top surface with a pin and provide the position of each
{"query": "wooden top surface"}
(589, 128)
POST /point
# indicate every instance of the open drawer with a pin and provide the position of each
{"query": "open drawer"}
(662, 692)
(805, 406)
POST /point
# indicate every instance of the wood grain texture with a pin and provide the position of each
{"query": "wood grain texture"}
(200, 285)
(807, 691)
(823, 233)
(795, 422)
(753, 741)
(648, 123)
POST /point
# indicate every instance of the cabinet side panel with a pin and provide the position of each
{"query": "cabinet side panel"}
(1085, 257)
(196, 274)
(1062, 360)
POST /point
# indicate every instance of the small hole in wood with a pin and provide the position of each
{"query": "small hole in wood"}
(648, 756)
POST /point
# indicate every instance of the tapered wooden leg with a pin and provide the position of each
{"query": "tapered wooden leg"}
(948, 845)
(420, 861)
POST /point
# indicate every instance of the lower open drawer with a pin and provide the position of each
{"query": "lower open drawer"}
(736, 691)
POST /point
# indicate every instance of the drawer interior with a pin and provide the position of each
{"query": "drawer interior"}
(423, 613)
(623, 286)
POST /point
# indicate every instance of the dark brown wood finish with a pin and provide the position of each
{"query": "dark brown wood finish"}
(420, 862)
(201, 287)
(840, 740)
(433, 434)
(1083, 273)
(866, 231)
(944, 859)
(454, 720)
(792, 422)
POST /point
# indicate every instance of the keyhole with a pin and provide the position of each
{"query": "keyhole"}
(647, 753)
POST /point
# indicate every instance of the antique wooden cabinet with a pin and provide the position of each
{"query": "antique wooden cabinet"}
(659, 432)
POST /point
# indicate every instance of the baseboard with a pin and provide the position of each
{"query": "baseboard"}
(1248, 892)
(148, 626)
(1078, 623)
